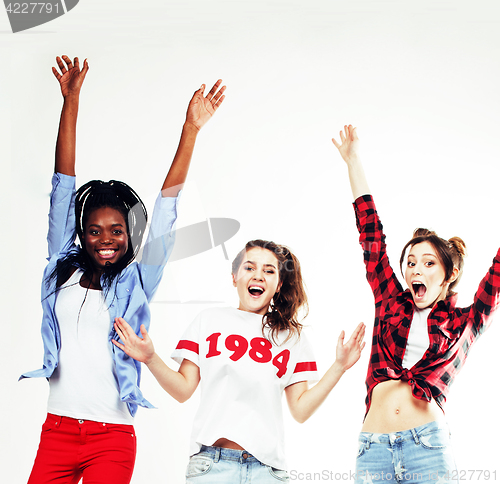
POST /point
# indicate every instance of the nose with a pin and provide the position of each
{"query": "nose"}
(106, 238)
(258, 276)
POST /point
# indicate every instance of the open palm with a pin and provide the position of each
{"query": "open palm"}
(71, 77)
(201, 108)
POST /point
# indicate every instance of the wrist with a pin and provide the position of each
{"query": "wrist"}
(190, 128)
(339, 367)
(72, 98)
(150, 361)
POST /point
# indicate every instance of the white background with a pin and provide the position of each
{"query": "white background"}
(419, 79)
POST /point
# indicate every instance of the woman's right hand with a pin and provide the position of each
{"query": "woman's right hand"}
(140, 349)
(349, 144)
(71, 77)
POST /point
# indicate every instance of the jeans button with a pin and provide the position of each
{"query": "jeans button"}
(245, 456)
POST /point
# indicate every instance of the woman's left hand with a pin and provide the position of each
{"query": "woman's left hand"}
(201, 108)
(348, 354)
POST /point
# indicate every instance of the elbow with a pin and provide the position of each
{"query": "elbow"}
(183, 397)
(300, 417)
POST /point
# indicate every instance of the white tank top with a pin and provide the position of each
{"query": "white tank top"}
(418, 338)
(84, 385)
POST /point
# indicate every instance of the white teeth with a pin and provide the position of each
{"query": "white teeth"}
(258, 289)
(106, 252)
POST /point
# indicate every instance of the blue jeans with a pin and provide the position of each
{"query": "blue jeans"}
(216, 465)
(415, 456)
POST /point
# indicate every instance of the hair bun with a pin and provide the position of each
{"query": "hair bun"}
(459, 245)
(420, 232)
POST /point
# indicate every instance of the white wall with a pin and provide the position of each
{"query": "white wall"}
(419, 79)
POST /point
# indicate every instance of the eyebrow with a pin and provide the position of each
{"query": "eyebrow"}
(432, 255)
(99, 226)
(255, 263)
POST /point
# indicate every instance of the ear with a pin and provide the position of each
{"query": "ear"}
(278, 288)
(453, 276)
(234, 280)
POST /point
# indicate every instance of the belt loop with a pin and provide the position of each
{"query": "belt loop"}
(217, 454)
(415, 436)
(368, 441)
(58, 419)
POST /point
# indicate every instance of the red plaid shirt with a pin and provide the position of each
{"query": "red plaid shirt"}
(452, 330)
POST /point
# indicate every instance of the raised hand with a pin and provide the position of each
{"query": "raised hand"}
(140, 349)
(71, 77)
(349, 144)
(348, 354)
(201, 108)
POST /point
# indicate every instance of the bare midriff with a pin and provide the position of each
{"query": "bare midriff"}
(227, 444)
(393, 408)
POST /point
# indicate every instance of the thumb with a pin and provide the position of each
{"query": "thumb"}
(144, 332)
(340, 342)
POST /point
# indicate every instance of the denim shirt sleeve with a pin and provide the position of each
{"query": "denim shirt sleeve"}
(159, 244)
(62, 231)
(60, 238)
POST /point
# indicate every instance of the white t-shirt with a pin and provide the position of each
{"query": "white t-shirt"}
(418, 338)
(84, 384)
(243, 377)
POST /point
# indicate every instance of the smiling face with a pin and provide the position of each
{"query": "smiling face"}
(257, 280)
(105, 237)
(425, 275)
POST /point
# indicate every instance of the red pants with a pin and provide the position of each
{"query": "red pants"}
(70, 449)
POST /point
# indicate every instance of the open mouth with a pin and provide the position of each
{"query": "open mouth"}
(256, 291)
(419, 289)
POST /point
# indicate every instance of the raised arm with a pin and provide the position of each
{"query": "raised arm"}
(70, 79)
(201, 108)
(179, 384)
(349, 150)
(304, 401)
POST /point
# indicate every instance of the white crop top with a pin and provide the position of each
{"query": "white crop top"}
(84, 384)
(243, 377)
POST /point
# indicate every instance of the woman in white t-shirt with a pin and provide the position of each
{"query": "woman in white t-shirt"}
(245, 358)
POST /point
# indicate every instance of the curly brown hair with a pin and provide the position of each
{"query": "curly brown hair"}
(285, 306)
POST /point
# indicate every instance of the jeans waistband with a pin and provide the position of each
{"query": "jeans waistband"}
(403, 435)
(221, 453)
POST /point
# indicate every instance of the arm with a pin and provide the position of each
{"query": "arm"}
(349, 150)
(304, 401)
(487, 298)
(179, 384)
(199, 111)
(70, 79)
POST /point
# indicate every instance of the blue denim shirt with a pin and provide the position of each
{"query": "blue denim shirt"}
(128, 297)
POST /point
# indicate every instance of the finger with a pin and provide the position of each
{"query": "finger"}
(77, 63)
(216, 106)
(362, 346)
(340, 341)
(335, 143)
(85, 68)
(116, 343)
(342, 137)
(213, 90)
(68, 61)
(219, 93)
(61, 65)
(355, 134)
(143, 331)
(56, 73)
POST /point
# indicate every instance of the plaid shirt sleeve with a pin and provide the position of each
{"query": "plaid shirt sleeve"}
(486, 299)
(379, 273)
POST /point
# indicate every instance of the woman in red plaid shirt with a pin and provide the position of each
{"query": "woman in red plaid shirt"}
(420, 342)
